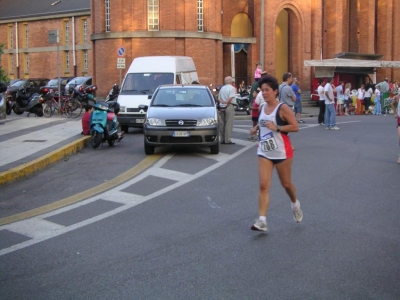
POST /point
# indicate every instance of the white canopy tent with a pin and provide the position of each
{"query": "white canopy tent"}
(327, 67)
(344, 62)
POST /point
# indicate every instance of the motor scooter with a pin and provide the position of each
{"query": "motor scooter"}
(113, 94)
(27, 102)
(103, 123)
(242, 102)
(82, 94)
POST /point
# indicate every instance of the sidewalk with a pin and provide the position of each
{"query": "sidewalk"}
(28, 144)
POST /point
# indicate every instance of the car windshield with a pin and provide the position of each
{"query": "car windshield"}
(53, 82)
(182, 97)
(19, 83)
(145, 82)
(77, 80)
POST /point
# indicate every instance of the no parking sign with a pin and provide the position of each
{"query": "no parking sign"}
(121, 51)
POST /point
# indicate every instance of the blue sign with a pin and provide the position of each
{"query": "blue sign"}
(121, 51)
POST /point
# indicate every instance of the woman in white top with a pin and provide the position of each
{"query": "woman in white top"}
(275, 121)
(360, 100)
(367, 98)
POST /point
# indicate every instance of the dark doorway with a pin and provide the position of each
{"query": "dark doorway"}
(241, 68)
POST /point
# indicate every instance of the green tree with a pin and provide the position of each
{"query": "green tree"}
(3, 73)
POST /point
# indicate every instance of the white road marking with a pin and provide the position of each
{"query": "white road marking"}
(35, 228)
(212, 203)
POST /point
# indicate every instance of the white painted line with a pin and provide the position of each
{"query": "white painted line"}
(218, 157)
(244, 143)
(168, 174)
(242, 130)
(35, 228)
(121, 197)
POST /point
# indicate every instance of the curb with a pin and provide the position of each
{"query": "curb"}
(42, 162)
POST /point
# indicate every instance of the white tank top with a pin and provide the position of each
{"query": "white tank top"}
(273, 144)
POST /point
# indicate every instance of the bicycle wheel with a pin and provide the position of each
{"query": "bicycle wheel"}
(48, 109)
(76, 108)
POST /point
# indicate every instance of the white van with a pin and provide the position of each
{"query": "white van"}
(143, 77)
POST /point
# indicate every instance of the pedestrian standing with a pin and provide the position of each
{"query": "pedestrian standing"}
(348, 101)
(286, 94)
(330, 113)
(360, 100)
(297, 104)
(340, 98)
(377, 101)
(226, 95)
(397, 116)
(321, 102)
(367, 98)
(276, 120)
(254, 114)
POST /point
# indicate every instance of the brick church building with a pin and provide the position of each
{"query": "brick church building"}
(224, 37)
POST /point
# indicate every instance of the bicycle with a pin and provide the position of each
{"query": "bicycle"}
(69, 107)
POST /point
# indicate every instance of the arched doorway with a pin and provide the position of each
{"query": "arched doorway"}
(241, 26)
(288, 47)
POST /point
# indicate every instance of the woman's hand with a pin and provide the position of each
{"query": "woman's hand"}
(253, 130)
(271, 125)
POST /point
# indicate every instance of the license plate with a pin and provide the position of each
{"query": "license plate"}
(180, 134)
(139, 120)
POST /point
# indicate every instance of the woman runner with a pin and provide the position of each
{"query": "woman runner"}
(274, 149)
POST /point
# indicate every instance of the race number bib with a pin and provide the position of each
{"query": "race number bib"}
(268, 143)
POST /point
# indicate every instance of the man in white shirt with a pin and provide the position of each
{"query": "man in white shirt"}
(321, 102)
(330, 113)
(226, 95)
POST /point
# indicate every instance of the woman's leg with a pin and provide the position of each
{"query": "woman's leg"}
(284, 170)
(265, 168)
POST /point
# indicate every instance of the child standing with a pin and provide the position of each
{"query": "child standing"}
(257, 73)
(377, 110)
(254, 114)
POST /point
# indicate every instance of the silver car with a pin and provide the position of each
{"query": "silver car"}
(181, 115)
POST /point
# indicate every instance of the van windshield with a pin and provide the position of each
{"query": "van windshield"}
(135, 83)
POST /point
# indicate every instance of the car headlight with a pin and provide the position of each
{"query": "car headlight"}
(122, 109)
(206, 122)
(155, 122)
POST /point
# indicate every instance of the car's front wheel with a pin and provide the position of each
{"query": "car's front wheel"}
(147, 148)
(215, 148)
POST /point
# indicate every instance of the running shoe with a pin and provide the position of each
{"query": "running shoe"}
(297, 213)
(322, 124)
(259, 226)
(327, 128)
(335, 128)
(301, 121)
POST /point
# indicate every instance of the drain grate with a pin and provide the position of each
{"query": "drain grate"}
(34, 141)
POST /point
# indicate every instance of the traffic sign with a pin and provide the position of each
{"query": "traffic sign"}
(53, 37)
(120, 63)
(121, 51)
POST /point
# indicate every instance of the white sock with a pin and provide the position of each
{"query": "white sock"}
(296, 204)
(263, 219)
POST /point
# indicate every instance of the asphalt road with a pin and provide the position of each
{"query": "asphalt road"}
(181, 229)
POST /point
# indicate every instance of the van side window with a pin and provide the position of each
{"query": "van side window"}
(177, 79)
